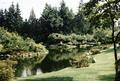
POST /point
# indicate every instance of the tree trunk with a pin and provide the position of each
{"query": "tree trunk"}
(115, 47)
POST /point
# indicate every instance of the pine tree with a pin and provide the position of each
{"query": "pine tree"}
(2, 19)
(51, 21)
(13, 19)
(80, 24)
(18, 17)
(32, 29)
(10, 18)
(67, 17)
(32, 16)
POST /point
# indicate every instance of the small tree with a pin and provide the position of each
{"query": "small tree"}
(97, 10)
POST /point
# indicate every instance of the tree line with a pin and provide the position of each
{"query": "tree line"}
(53, 20)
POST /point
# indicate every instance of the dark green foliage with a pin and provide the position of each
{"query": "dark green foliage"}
(53, 65)
(2, 19)
(13, 19)
(10, 18)
(18, 19)
(25, 29)
(51, 20)
(79, 24)
(67, 17)
(31, 27)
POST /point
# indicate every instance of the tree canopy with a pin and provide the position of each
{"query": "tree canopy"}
(98, 11)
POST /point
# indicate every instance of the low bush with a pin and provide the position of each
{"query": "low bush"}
(55, 38)
(80, 61)
(94, 51)
(103, 47)
(6, 70)
(23, 50)
(103, 35)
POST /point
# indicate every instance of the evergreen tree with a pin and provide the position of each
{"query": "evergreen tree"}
(18, 17)
(13, 19)
(32, 23)
(80, 24)
(2, 19)
(25, 30)
(32, 16)
(51, 22)
(5, 18)
(10, 18)
(32, 27)
(67, 17)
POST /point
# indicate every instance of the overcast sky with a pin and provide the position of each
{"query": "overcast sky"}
(38, 5)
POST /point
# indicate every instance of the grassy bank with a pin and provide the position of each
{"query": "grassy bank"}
(102, 70)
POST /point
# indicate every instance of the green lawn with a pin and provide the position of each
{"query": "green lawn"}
(102, 70)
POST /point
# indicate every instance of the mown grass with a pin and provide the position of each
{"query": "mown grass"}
(102, 70)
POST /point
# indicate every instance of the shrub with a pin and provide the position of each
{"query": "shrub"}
(103, 35)
(103, 47)
(27, 59)
(1, 47)
(6, 70)
(95, 51)
(23, 50)
(80, 61)
(73, 38)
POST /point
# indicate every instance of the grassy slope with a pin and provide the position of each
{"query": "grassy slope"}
(102, 70)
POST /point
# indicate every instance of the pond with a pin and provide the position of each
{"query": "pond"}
(58, 58)
(60, 55)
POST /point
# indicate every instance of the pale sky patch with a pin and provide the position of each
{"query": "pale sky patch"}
(38, 5)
